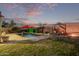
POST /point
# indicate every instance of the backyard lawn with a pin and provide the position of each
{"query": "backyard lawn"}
(41, 48)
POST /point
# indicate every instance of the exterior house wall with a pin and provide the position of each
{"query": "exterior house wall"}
(70, 28)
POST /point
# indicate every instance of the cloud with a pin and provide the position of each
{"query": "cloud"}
(28, 22)
(33, 13)
(36, 9)
(52, 5)
(32, 9)
(48, 21)
(10, 6)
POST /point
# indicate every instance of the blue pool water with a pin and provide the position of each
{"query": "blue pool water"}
(34, 37)
(29, 35)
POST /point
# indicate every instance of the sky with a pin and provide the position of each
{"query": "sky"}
(41, 12)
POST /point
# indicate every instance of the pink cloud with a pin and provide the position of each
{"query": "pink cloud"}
(16, 16)
(34, 12)
(28, 22)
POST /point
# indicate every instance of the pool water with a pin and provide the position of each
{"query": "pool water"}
(29, 35)
(35, 37)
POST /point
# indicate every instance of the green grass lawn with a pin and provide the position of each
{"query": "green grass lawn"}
(40, 48)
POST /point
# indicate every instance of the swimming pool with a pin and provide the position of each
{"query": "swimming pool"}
(31, 36)
(35, 37)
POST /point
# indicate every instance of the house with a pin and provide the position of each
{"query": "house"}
(67, 28)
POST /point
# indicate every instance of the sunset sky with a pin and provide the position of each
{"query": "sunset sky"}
(41, 12)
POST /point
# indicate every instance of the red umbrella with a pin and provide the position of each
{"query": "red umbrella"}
(26, 26)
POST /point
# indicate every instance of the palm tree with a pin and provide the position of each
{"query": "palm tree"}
(1, 20)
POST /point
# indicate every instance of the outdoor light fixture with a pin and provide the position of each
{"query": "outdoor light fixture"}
(54, 31)
(62, 32)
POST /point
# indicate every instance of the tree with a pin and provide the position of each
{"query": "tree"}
(5, 24)
(11, 25)
(1, 20)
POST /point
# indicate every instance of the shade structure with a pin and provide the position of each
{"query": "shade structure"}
(26, 27)
(30, 29)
